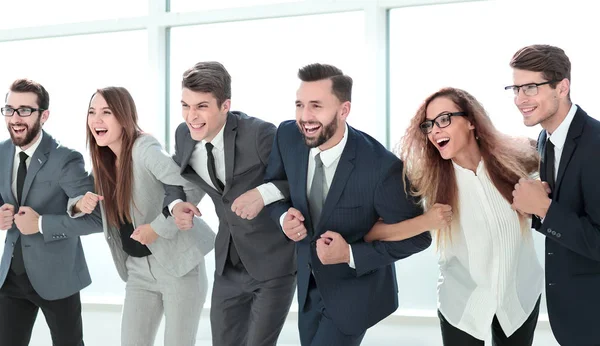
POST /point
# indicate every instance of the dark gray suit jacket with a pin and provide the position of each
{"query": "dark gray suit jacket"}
(263, 248)
(54, 260)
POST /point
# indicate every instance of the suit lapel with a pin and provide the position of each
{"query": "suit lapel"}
(188, 149)
(575, 131)
(303, 155)
(340, 178)
(8, 161)
(229, 135)
(188, 145)
(39, 158)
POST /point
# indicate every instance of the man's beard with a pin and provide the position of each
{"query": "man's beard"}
(327, 131)
(29, 137)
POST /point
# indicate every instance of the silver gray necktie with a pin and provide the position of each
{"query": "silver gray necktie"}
(316, 197)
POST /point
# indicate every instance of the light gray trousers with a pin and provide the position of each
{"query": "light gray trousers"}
(151, 292)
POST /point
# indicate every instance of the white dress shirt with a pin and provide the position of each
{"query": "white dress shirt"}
(489, 267)
(199, 162)
(17, 161)
(559, 137)
(330, 159)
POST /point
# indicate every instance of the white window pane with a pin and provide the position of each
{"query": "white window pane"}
(195, 5)
(469, 46)
(26, 13)
(263, 58)
(71, 69)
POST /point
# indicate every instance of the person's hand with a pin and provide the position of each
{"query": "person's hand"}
(531, 197)
(332, 248)
(293, 225)
(87, 203)
(144, 234)
(439, 216)
(248, 204)
(26, 221)
(7, 216)
(184, 212)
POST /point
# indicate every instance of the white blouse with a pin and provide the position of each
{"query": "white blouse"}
(489, 267)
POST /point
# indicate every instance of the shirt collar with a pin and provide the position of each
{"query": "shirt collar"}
(31, 150)
(559, 136)
(461, 169)
(217, 142)
(330, 155)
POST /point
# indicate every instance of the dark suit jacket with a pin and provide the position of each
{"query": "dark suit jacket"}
(54, 260)
(367, 185)
(572, 230)
(263, 248)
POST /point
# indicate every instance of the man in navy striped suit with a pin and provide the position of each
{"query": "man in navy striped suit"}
(341, 182)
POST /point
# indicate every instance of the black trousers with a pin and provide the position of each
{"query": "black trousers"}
(523, 336)
(19, 306)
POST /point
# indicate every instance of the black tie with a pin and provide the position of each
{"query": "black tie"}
(21, 173)
(212, 170)
(212, 173)
(17, 265)
(549, 165)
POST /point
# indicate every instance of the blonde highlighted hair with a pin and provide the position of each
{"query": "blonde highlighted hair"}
(432, 178)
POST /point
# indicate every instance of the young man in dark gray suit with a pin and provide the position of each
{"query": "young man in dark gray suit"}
(43, 265)
(226, 153)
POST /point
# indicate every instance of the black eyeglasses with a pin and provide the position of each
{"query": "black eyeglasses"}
(442, 120)
(21, 111)
(529, 89)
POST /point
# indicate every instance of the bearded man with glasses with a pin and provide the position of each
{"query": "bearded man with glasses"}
(43, 265)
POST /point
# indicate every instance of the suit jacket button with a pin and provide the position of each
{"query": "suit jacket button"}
(553, 232)
(225, 200)
(558, 235)
(549, 230)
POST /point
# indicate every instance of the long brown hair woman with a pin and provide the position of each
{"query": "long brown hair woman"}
(163, 267)
(464, 170)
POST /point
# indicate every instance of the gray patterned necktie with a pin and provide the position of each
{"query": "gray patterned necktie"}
(316, 197)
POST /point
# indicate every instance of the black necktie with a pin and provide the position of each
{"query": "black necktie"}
(212, 173)
(21, 173)
(212, 170)
(17, 265)
(549, 165)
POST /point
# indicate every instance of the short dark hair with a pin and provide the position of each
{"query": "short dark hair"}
(209, 77)
(341, 83)
(551, 61)
(24, 85)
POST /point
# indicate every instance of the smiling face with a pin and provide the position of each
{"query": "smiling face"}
(103, 124)
(320, 116)
(24, 130)
(202, 114)
(455, 137)
(542, 107)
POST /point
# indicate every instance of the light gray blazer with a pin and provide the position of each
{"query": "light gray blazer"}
(177, 251)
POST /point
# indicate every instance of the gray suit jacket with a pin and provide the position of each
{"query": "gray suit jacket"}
(263, 248)
(54, 260)
(176, 251)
